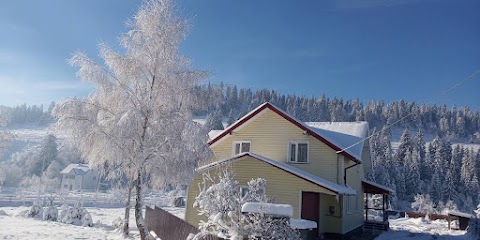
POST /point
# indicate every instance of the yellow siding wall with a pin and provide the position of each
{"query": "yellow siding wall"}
(282, 186)
(330, 223)
(354, 219)
(269, 134)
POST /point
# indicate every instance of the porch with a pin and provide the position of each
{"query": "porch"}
(376, 205)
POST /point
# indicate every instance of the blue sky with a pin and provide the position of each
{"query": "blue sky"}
(370, 49)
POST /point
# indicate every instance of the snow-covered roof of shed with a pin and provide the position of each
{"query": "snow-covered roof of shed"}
(339, 189)
(78, 169)
(336, 135)
(345, 135)
(459, 214)
(280, 210)
(302, 224)
(378, 186)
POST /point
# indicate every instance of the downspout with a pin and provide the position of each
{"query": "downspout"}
(345, 172)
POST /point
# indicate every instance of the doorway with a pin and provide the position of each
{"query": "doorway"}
(311, 208)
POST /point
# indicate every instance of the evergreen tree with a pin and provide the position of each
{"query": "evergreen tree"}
(214, 121)
(456, 164)
(468, 167)
(404, 147)
(230, 119)
(413, 174)
(450, 192)
(436, 187)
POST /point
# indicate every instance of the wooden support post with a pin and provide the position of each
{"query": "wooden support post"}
(448, 220)
(366, 206)
(384, 198)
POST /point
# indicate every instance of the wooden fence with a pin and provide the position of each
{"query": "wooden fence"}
(167, 226)
(463, 221)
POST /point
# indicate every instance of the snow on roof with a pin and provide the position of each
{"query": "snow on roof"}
(343, 135)
(78, 169)
(302, 223)
(213, 133)
(378, 186)
(460, 214)
(281, 210)
(339, 189)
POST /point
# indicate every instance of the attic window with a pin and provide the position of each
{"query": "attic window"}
(241, 147)
(297, 152)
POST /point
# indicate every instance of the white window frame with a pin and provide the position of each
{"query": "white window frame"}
(240, 142)
(296, 151)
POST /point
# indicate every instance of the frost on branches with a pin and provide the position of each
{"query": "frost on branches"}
(220, 201)
(137, 123)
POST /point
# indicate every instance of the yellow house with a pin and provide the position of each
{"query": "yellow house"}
(316, 167)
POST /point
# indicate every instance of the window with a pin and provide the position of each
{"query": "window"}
(240, 147)
(298, 152)
(244, 191)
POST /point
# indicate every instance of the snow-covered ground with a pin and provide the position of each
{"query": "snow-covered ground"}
(17, 227)
(420, 228)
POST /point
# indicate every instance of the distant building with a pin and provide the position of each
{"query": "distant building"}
(79, 177)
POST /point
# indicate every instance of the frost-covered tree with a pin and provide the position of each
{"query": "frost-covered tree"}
(138, 121)
(220, 201)
(5, 136)
(45, 154)
(5, 139)
(423, 203)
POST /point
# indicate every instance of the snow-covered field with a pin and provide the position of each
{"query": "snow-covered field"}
(420, 228)
(17, 227)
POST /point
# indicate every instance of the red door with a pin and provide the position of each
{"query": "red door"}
(311, 207)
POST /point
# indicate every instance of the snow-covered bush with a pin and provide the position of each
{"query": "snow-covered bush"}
(35, 210)
(50, 213)
(221, 201)
(118, 223)
(473, 229)
(87, 219)
(3, 213)
(63, 211)
(77, 216)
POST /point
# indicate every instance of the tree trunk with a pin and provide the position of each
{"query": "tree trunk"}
(126, 221)
(138, 208)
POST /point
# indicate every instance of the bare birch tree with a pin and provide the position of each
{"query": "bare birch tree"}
(137, 122)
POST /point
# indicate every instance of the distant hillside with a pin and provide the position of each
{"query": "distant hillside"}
(27, 116)
(458, 124)
(24, 138)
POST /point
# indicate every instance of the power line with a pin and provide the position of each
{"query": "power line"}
(472, 76)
